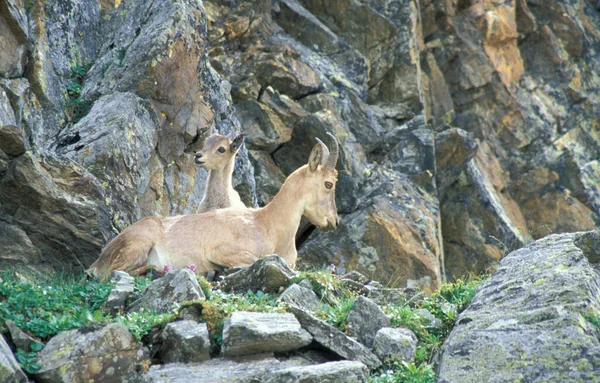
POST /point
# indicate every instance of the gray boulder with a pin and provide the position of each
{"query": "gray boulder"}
(19, 338)
(269, 274)
(123, 288)
(384, 295)
(526, 322)
(12, 140)
(185, 341)
(430, 321)
(10, 371)
(164, 294)
(247, 333)
(302, 297)
(332, 372)
(365, 320)
(335, 340)
(85, 355)
(395, 344)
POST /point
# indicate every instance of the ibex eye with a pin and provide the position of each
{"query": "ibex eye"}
(328, 184)
(221, 150)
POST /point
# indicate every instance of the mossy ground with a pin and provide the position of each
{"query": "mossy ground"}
(44, 307)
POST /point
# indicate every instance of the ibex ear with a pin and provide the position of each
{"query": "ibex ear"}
(237, 142)
(315, 157)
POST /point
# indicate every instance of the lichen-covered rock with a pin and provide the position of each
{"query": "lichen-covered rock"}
(12, 140)
(185, 342)
(32, 191)
(526, 321)
(395, 235)
(302, 297)
(246, 369)
(164, 294)
(270, 274)
(300, 24)
(480, 224)
(335, 340)
(13, 29)
(115, 141)
(269, 178)
(83, 355)
(124, 285)
(395, 345)
(10, 371)
(365, 319)
(332, 372)
(248, 333)
(263, 129)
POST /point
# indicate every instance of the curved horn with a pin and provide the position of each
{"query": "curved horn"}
(332, 160)
(324, 152)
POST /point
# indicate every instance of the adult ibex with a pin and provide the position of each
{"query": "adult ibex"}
(231, 237)
(218, 157)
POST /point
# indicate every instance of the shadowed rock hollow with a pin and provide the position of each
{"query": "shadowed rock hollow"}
(466, 128)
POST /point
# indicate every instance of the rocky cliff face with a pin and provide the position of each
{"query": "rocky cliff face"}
(466, 127)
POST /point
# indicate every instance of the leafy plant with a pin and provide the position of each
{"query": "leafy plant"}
(27, 360)
(76, 106)
(404, 373)
(337, 315)
(51, 305)
(140, 323)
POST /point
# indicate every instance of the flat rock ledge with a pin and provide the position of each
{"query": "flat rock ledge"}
(257, 368)
(246, 333)
(335, 340)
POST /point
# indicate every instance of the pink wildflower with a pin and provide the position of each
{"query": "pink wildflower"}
(192, 267)
(167, 268)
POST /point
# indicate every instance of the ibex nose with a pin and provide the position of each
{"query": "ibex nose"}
(198, 155)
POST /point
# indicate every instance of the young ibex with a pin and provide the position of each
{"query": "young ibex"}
(218, 157)
(231, 237)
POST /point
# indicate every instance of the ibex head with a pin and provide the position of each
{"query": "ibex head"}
(218, 150)
(319, 182)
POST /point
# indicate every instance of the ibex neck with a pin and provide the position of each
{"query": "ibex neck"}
(284, 212)
(219, 180)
